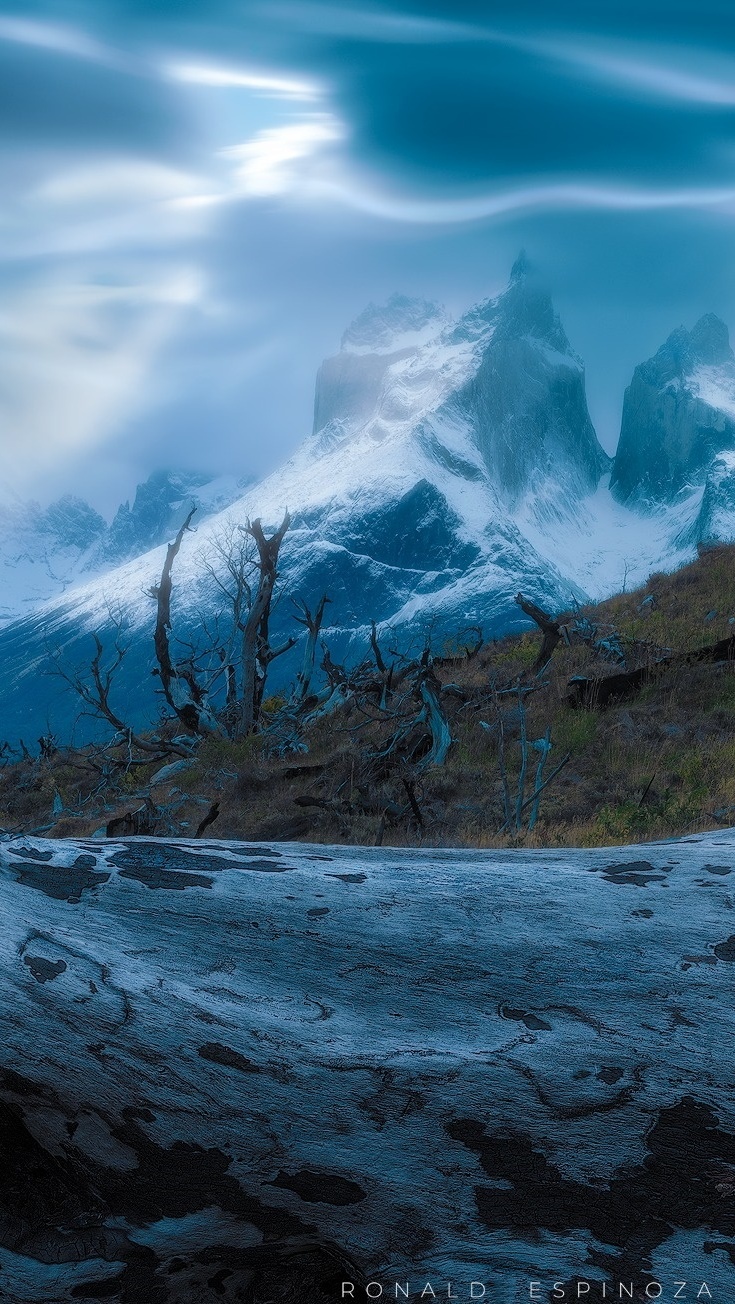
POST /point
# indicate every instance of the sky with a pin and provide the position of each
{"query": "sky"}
(196, 199)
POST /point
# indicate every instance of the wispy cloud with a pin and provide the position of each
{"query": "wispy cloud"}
(690, 77)
(57, 37)
(375, 25)
(75, 362)
(552, 196)
(259, 80)
(276, 161)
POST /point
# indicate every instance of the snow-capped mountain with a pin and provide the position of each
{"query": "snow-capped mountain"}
(45, 552)
(678, 415)
(451, 464)
(160, 505)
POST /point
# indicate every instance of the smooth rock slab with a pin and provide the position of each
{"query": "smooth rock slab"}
(414, 1065)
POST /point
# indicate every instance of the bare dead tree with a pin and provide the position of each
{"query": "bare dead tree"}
(538, 790)
(513, 811)
(256, 651)
(312, 623)
(543, 746)
(94, 688)
(231, 567)
(434, 715)
(550, 628)
(182, 689)
(380, 663)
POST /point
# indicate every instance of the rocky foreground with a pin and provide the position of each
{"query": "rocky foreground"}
(238, 1072)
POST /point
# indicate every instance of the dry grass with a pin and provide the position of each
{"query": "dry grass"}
(659, 765)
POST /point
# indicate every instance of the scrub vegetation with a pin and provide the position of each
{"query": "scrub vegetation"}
(432, 752)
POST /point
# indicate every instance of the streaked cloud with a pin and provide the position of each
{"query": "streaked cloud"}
(552, 197)
(376, 25)
(267, 83)
(692, 76)
(56, 37)
(274, 162)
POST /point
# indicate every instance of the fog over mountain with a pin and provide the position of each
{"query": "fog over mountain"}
(453, 461)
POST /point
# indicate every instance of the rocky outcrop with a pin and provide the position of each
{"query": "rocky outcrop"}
(160, 506)
(715, 520)
(246, 1073)
(678, 415)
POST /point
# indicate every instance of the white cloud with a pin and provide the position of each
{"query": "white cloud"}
(272, 163)
(115, 181)
(76, 362)
(266, 83)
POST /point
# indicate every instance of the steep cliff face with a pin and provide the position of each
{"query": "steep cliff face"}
(715, 520)
(526, 403)
(678, 415)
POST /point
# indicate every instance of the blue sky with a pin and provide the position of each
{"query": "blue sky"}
(197, 198)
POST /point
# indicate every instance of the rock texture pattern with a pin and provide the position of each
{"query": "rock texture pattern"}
(236, 1072)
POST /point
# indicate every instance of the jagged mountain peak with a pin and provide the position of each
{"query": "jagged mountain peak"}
(526, 309)
(710, 341)
(451, 467)
(43, 551)
(400, 323)
(523, 309)
(521, 267)
(499, 393)
(678, 414)
(160, 505)
(707, 344)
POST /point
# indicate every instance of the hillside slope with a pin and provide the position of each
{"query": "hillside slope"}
(659, 762)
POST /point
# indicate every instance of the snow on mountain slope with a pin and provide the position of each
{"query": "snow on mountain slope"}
(402, 499)
(609, 548)
(401, 517)
(45, 552)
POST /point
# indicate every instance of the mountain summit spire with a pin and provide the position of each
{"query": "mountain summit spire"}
(521, 267)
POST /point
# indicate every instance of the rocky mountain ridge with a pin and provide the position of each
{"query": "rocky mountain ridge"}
(45, 551)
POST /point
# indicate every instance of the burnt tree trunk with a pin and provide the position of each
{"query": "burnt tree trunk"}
(312, 622)
(181, 690)
(256, 651)
(550, 628)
